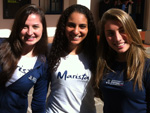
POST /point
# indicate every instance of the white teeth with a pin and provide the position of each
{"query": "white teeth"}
(76, 37)
(30, 37)
(120, 44)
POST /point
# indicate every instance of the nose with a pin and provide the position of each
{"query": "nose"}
(76, 30)
(30, 31)
(118, 36)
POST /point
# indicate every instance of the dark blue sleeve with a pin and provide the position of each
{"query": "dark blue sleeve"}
(147, 85)
(148, 92)
(40, 93)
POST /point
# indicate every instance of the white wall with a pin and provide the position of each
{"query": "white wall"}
(86, 3)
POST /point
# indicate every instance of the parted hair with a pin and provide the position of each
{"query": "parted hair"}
(135, 56)
(11, 48)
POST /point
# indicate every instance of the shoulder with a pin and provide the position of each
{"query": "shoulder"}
(146, 73)
(147, 62)
(41, 59)
(147, 68)
(41, 63)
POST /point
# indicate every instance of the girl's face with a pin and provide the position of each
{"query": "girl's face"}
(76, 29)
(31, 33)
(116, 37)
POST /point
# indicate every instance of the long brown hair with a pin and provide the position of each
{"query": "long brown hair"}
(11, 48)
(135, 55)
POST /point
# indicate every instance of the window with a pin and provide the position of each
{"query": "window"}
(51, 6)
(10, 7)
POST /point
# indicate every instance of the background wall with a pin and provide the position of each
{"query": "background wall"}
(93, 5)
(6, 24)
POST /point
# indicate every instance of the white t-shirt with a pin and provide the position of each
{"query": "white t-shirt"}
(71, 91)
(24, 65)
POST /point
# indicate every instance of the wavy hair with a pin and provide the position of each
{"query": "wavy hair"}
(60, 42)
(11, 48)
(135, 56)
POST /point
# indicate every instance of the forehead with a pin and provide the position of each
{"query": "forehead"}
(110, 24)
(34, 16)
(77, 17)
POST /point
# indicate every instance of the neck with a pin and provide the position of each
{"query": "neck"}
(74, 50)
(28, 51)
(121, 57)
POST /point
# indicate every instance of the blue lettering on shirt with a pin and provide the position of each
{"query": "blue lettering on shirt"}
(22, 70)
(65, 76)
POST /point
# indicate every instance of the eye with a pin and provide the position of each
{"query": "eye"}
(35, 26)
(121, 30)
(82, 26)
(109, 33)
(25, 27)
(69, 24)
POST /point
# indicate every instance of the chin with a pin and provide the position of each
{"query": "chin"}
(122, 51)
(75, 43)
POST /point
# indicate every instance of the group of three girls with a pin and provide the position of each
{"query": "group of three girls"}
(70, 66)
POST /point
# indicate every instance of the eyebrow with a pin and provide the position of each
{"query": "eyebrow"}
(118, 29)
(72, 23)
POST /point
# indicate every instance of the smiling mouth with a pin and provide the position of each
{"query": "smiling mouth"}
(120, 44)
(30, 38)
(76, 37)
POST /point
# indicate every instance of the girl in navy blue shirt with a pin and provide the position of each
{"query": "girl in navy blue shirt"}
(123, 70)
(23, 63)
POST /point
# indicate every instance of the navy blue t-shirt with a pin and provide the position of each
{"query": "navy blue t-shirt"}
(118, 93)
